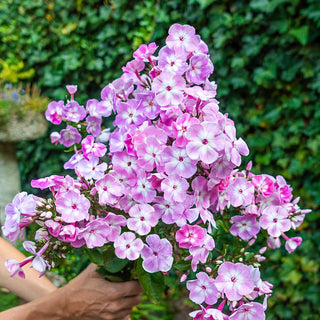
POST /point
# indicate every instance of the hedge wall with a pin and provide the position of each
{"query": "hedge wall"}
(267, 65)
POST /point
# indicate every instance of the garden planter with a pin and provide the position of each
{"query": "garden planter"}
(19, 128)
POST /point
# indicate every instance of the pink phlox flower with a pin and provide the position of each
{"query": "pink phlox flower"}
(211, 112)
(221, 169)
(249, 311)
(148, 105)
(72, 206)
(207, 216)
(274, 242)
(95, 233)
(174, 188)
(94, 125)
(114, 223)
(55, 137)
(252, 210)
(47, 182)
(284, 190)
(69, 136)
(128, 113)
(127, 246)
(13, 266)
(124, 161)
(182, 38)
(117, 138)
(22, 204)
(201, 253)
(201, 48)
(109, 190)
(68, 233)
(190, 236)
(90, 167)
(134, 66)
(71, 88)
(54, 112)
(142, 218)
(73, 161)
(202, 289)
(293, 243)
(90, 147)
(104, 136)
(171, 61)
(157, 255)
(208, 314)
(244, 227)
(200, 69)
(167, 210)
(240, 192)
(108, 98)
(206, 141)
(149, 153)
(168, 88)
(66, 184)
(264, 184)
(38, 262)
(261, 287)
(177, 161)
(234, 280)
(145, 52)
(275, 220)
(143, 191)
(201, 192)
(53, 227)
(99, 109)
(122, 87)
(73, 112)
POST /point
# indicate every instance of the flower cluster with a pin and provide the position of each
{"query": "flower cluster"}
(161, 186)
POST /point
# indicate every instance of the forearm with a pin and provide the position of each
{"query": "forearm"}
(30, 288)
(49, 307)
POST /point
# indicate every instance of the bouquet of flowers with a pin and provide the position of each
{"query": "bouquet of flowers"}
(162, 191)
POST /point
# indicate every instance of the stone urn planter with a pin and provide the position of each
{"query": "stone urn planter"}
(29, 126)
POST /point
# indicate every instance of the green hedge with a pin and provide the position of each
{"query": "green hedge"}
(267, 65)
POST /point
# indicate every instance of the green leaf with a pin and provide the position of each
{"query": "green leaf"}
(112, 263)
(301, 34)
(152, 283)
(95, 256)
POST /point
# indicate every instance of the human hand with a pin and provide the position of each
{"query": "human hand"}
(90, 296)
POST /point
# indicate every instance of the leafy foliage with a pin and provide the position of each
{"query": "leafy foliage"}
(267, 63)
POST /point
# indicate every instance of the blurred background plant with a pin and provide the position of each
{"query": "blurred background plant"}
(266, 55)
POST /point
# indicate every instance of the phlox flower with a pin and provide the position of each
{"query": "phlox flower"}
(73, 112)
(148, 105)
(190, 236)
(208, 314)
(149, 153)
(94, 125)
(68, 233)
(124, 162)
(14, 267)
(249, 311)
(72, 206)
(182, 38)
(275, 220)
(54, 112)
(55, 137)
(71, 88)
(114, 223)
(95, 233)
(274, 242)
(174, 188)
(90, 167)
(129, 113)
(264, 184)
(157, 255)
(99, 108)
(168, 88)
(143, 191)
(109, 190)
(171, 61)
(205, 142)
(144, 52)
(108, 97)
(234, 280)
(38, 262)
(167, 209)
(202, 289)
(200, 69)
(142, 218)
(284, 190)
(293, 243)
(91, 147)
(127, 246)
(69, 136)
(240, 192)
(177, 161)
(201, 192)
(244, 227)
